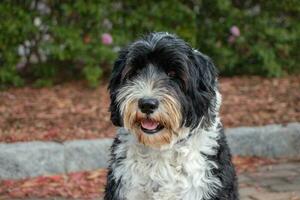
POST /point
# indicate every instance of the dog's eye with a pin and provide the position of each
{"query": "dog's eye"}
(171, 73)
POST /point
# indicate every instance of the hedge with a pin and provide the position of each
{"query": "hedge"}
(46, 41)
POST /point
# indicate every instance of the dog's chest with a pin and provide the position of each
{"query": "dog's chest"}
(179, 174)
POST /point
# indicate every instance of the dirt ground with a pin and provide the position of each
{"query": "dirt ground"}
(73, 111)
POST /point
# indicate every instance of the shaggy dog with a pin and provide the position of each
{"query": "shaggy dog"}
(171, 145)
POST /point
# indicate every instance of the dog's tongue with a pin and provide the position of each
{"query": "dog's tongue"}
(149, 124)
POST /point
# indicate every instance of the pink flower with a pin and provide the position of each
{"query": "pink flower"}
(235, 31)
(106, 39)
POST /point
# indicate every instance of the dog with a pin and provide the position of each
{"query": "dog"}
(170, 144)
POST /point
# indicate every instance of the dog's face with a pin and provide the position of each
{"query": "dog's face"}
(159, 87)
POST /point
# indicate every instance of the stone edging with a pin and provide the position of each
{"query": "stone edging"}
(29, 159)
(271, 141)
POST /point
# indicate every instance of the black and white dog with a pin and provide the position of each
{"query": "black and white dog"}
(171, 146)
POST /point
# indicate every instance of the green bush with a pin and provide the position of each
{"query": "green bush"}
(269, 36)
(49, 40)
(267, 45)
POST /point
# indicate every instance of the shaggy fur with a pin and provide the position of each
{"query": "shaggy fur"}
(171, 144)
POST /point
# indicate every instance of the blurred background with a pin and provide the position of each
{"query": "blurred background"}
(46, 41)
(56, 58)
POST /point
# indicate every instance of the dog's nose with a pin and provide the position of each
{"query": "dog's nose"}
(148, 105)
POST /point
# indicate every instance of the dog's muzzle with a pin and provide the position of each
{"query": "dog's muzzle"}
(148, 106)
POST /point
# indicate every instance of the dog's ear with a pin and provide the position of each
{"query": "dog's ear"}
(207, 72)
(202, 90)
(114, 85)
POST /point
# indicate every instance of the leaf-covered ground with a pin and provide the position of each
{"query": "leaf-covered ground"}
(86, 185)
(72, 111)
(79, 185)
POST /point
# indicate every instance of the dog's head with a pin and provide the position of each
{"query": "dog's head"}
(160, 86)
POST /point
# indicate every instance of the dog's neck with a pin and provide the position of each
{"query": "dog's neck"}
(146, 165)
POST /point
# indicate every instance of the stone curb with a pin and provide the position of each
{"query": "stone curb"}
(271, 141)
(29, 159)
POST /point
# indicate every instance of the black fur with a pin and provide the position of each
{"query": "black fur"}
(112, 186)
(225, 171)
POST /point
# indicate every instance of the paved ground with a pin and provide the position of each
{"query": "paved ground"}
(272, 182)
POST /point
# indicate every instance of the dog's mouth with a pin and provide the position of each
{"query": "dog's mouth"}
(150, 126)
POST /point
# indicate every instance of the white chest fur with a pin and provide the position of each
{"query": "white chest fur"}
(179, 173)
